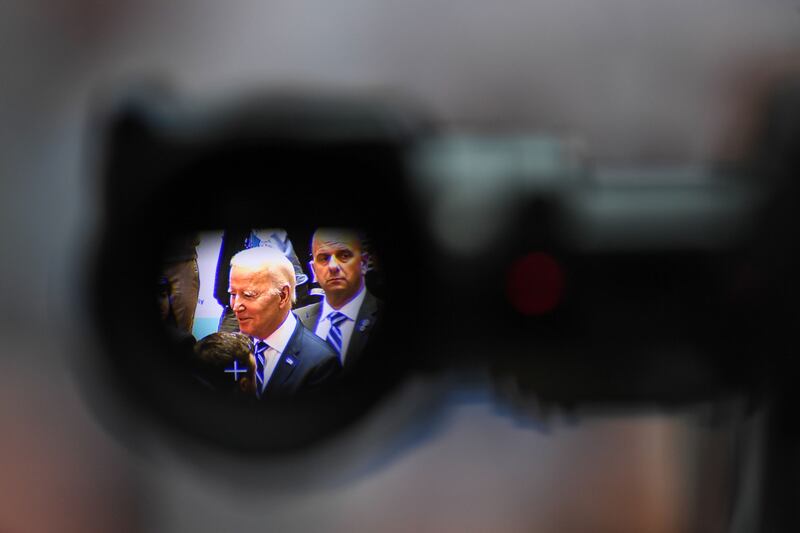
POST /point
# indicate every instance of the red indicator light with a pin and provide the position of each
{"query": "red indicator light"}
(535, 284)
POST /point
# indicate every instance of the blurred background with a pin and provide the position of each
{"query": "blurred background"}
(631, 81)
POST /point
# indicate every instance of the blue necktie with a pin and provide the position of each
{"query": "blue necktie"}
(334, 337)
(261, 363)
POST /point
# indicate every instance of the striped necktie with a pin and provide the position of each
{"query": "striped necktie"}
(334, 337)
(261, 363)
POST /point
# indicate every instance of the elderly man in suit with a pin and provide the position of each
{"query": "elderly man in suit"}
(348, 313)
(289, 357)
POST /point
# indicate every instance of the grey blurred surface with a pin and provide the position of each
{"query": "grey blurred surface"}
(632, 80)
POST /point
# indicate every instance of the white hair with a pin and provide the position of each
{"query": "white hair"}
(270, 261)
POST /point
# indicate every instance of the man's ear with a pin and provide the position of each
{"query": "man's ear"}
(286, 295)
(313, 268)
(364, 263)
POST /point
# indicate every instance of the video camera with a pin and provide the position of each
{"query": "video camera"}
(568, 280)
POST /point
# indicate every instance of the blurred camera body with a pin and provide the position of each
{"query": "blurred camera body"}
(579, 282)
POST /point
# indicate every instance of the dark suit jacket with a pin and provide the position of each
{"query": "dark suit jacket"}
(365, 322)
(307, 362)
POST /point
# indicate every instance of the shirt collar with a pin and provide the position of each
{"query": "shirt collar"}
(350, 309)
(281, 336)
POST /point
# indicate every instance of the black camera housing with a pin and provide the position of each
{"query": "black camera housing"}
(643, 318)
(275, 161)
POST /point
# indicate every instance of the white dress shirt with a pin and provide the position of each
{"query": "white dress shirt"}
(350, 310)
(277, 344)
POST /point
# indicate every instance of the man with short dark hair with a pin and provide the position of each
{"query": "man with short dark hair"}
(225, 362)
(348, 313)
(289, 358)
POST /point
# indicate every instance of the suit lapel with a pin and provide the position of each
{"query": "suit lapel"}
(288, 361)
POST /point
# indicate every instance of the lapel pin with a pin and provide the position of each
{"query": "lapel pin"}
(289, 361)
(363, 325)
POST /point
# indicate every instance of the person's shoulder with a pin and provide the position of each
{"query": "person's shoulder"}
(313, 347)
(310, 308)
(319, 361)
(372, 305)
(309, 311)
(373, 299)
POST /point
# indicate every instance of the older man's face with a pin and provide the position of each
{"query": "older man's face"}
(258, 309)
(339, 266)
